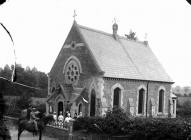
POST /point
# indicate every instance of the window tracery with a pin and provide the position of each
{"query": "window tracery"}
(72, 72)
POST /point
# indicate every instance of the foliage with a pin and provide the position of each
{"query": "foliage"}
(23, 102)
(27, 76)
(110, 124)
(182, 91)
(116, 122)
(2, 101)
(184, 110)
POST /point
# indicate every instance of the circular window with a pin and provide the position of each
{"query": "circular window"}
(72, 72)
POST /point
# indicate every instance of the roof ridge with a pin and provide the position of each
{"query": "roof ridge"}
(108, 34)
(136, 41)
(95, 30)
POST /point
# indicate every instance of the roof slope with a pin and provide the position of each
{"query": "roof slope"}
(123, 58)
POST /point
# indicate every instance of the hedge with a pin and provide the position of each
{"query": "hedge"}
(116, 122)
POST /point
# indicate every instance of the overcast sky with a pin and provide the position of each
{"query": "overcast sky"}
(39, 29)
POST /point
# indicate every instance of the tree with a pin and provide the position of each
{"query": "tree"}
(6, 72)
(24, 101)
(131, 35)
(187, 90)
(27, 76)
(177, 90)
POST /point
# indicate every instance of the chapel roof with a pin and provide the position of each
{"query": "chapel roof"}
(121, 57)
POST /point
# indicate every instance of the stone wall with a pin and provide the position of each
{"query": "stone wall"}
(130, 90)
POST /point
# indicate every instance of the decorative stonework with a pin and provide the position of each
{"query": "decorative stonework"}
(98, 85)
(72, 70)
(73, 45)
(53, 87)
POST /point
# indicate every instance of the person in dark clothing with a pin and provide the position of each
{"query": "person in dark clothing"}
(33, 118)
(75, 116)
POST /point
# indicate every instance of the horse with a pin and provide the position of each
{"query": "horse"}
(25, 124)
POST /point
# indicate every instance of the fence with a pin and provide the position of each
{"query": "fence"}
(67, 134)
(63, 134)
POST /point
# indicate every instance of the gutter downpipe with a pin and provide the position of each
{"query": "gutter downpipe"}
(147, 98)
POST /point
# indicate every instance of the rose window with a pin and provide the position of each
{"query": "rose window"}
(72, 72)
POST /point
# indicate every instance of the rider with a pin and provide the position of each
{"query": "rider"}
(33, 118)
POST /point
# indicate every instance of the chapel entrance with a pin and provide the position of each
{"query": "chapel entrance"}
(60, 107)
(93, 103)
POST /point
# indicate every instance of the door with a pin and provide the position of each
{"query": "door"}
(60, 107)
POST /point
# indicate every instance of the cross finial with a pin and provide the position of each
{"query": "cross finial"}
(74, 16)
(114, 20)
(145, 37)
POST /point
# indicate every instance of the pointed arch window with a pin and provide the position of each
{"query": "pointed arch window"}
(79, 108)
(93, 103)
(141, 101)
(161, 101)
(117, 97)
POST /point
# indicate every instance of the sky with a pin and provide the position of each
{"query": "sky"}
(40, 27)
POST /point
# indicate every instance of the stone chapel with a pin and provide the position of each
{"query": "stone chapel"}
(96, 71)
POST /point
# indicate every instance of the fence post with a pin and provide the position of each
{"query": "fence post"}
(70, 130)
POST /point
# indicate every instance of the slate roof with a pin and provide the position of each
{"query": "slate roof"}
(68, 92)
(123, 58)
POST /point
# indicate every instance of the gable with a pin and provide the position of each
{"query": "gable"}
(74, 47)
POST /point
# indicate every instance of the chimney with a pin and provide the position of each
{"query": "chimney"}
(115, 28)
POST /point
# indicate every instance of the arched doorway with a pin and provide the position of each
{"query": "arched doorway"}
(93, 103)
(60, 107)
(116, 97)
(141, 101)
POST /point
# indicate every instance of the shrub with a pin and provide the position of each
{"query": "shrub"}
(114, 121)
(89, 123)
(184, 110)
(117, 122)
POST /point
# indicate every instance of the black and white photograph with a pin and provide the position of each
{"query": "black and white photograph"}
(95, 70)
